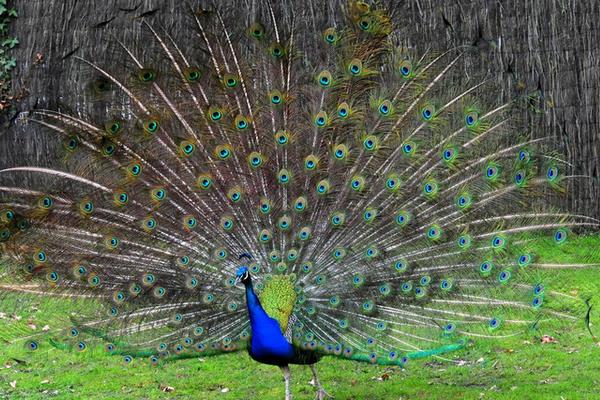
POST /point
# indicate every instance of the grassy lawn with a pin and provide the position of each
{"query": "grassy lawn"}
(521, 367)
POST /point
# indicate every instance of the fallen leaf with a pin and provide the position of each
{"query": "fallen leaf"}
(225, 390)
(46, 328)
(548, 339)
(13, 384)
(32, 326)
(45, 381)
(166, 388)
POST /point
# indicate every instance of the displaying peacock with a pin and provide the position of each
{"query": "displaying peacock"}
(349, 201)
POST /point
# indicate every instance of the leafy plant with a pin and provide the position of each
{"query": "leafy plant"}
(7, 42)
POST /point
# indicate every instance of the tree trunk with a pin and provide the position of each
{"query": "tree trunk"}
(549, 46)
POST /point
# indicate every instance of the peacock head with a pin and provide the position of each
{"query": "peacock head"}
(242, 275)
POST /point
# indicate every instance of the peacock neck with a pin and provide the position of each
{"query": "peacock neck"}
(267, 344)
(255, 310)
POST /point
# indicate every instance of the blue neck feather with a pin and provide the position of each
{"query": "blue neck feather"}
(268, 345)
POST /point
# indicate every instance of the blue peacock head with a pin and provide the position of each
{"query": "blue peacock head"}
(242, 274)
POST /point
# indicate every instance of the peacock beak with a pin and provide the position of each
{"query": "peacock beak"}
(238, 279)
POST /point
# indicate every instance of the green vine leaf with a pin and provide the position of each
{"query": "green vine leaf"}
(10, 42)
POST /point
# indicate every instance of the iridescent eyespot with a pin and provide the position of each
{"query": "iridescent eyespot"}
(265, 206)
(223, 151)
(492, 171)
(446, 285)
(304, 233)
(371, 143)
(405, 68)
(158, 194)
(320, 120)
(311, 162)
(560, 236)
(392, 182)
(146, 75)
(284, 222)
(190, 222)
(148, 224)
(52, 277)
(86, 207)
(370, 214)
(357, 183)
(70, 144)
(520, 178)
(46, 202)
(337, 219)
(277, 50)
(120, 198)
(330, 36)
(284, 176)
(276, 97)
(355, 67)
(230, 81)
(226, 223)
(365, 23)
(434, 232)
(524, 260)
(343, 110)
(300, 204)
(324, 78)
(358, 280)
(255, 159)
(234, 194)
(340, 152)
(486, 267)
(402, 218)
(494, 323)
(192, 74)
(504, 276)
(401, 266)
(427, 112)
(471, 119)
(151, 126)
(339, 253)
(430, 188)
(524, 156)
(282, 138)
(385, 108)
(204, 181)
(464, 241)
(134, 169)
(449, 154)
(408, 148)
(102, 85)
(186, 148)
(552, 173)
(257, 31)
(323, 187)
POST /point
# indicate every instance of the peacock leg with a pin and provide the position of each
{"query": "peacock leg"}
(321, 393)
(287, 375)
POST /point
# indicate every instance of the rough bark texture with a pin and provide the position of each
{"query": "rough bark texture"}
(551, 46)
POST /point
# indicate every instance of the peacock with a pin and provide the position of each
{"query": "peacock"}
(346, 201)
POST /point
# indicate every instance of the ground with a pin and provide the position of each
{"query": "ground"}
(565, 364)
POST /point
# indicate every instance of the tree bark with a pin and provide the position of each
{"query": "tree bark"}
(550, 46)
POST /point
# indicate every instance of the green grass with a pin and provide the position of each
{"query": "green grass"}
(517, 368)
